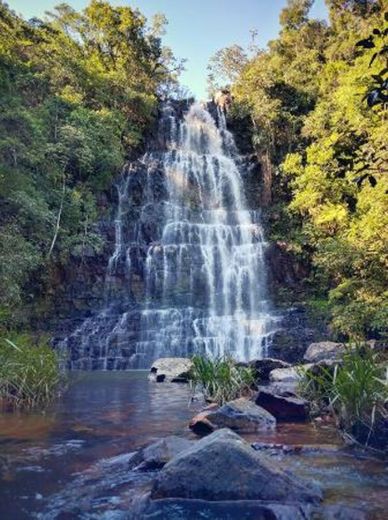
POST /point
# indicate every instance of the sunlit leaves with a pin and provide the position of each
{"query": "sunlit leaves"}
(308, 97)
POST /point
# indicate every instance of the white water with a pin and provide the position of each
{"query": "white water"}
(205, 280)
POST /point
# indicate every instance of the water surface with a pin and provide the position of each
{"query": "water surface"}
(103, 414)
(72, 461)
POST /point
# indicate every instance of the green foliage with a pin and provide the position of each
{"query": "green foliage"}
(378, 41)
(356, 392)
(220, 379)
(327, 154)
(78, 90)
(225, 66)
(29, 373)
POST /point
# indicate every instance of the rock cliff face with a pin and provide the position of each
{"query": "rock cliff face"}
(186, 271)
(183, 268)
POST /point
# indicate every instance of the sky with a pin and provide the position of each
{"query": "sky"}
(196, 28)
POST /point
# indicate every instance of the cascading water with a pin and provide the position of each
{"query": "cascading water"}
(200, 257)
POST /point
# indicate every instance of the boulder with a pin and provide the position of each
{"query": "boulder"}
(285, 375)
(324, 350)
(222, 466)
(172, 370)
(201, 425)
(156, 455)
(189, 509)
(283, 408)
(287, 389)
(241, 414)
(263, 367)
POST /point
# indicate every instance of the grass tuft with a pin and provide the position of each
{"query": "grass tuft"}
(220, 379)
(29, 374)
(356, 393)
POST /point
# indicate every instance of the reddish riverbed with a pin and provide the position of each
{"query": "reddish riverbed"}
(74, 457)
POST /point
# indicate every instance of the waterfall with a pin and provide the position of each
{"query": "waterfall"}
(194, 249)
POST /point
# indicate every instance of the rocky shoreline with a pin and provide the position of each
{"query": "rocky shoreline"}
(248, 465)
(221, 475)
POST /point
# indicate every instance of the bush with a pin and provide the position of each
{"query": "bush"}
(220, 379)
(30, 374)
(356, 393)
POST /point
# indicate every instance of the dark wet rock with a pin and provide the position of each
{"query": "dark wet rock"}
(241, 414)
(263, 367)
(173, 370)
(189, 509)
(222, 466)
(324, 350)
(201, 424)
(284, 270)
(156, 455)
(297, 330)
(283, 408)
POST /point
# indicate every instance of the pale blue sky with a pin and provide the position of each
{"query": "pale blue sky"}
(197, 28)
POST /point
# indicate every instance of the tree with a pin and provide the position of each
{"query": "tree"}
(295, 14)
(225, 67)
(78, 91)
(323, 155)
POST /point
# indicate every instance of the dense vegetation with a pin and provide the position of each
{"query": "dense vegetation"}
(316, 100)
(77, 94)
(355, 392)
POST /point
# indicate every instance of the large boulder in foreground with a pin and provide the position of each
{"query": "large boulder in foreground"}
(241, 415)
(324, 350)
(282, 407)
(222, 466)
(189, 509)
(170, 370)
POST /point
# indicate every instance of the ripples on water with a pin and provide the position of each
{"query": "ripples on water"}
(72, 462)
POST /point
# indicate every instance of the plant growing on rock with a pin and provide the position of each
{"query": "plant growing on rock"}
(355, 391)
(30, 374)
(220, 379)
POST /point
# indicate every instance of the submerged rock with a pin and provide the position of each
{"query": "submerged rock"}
(241, 415)
(282, 407)
(173, 370)
(222, 466)
(324, 350)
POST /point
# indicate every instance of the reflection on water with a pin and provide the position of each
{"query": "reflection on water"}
(101, 415)
(72, 461)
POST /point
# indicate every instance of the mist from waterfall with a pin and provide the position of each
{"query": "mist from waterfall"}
(203, 274)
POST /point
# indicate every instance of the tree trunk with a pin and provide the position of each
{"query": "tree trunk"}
(58, 222)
